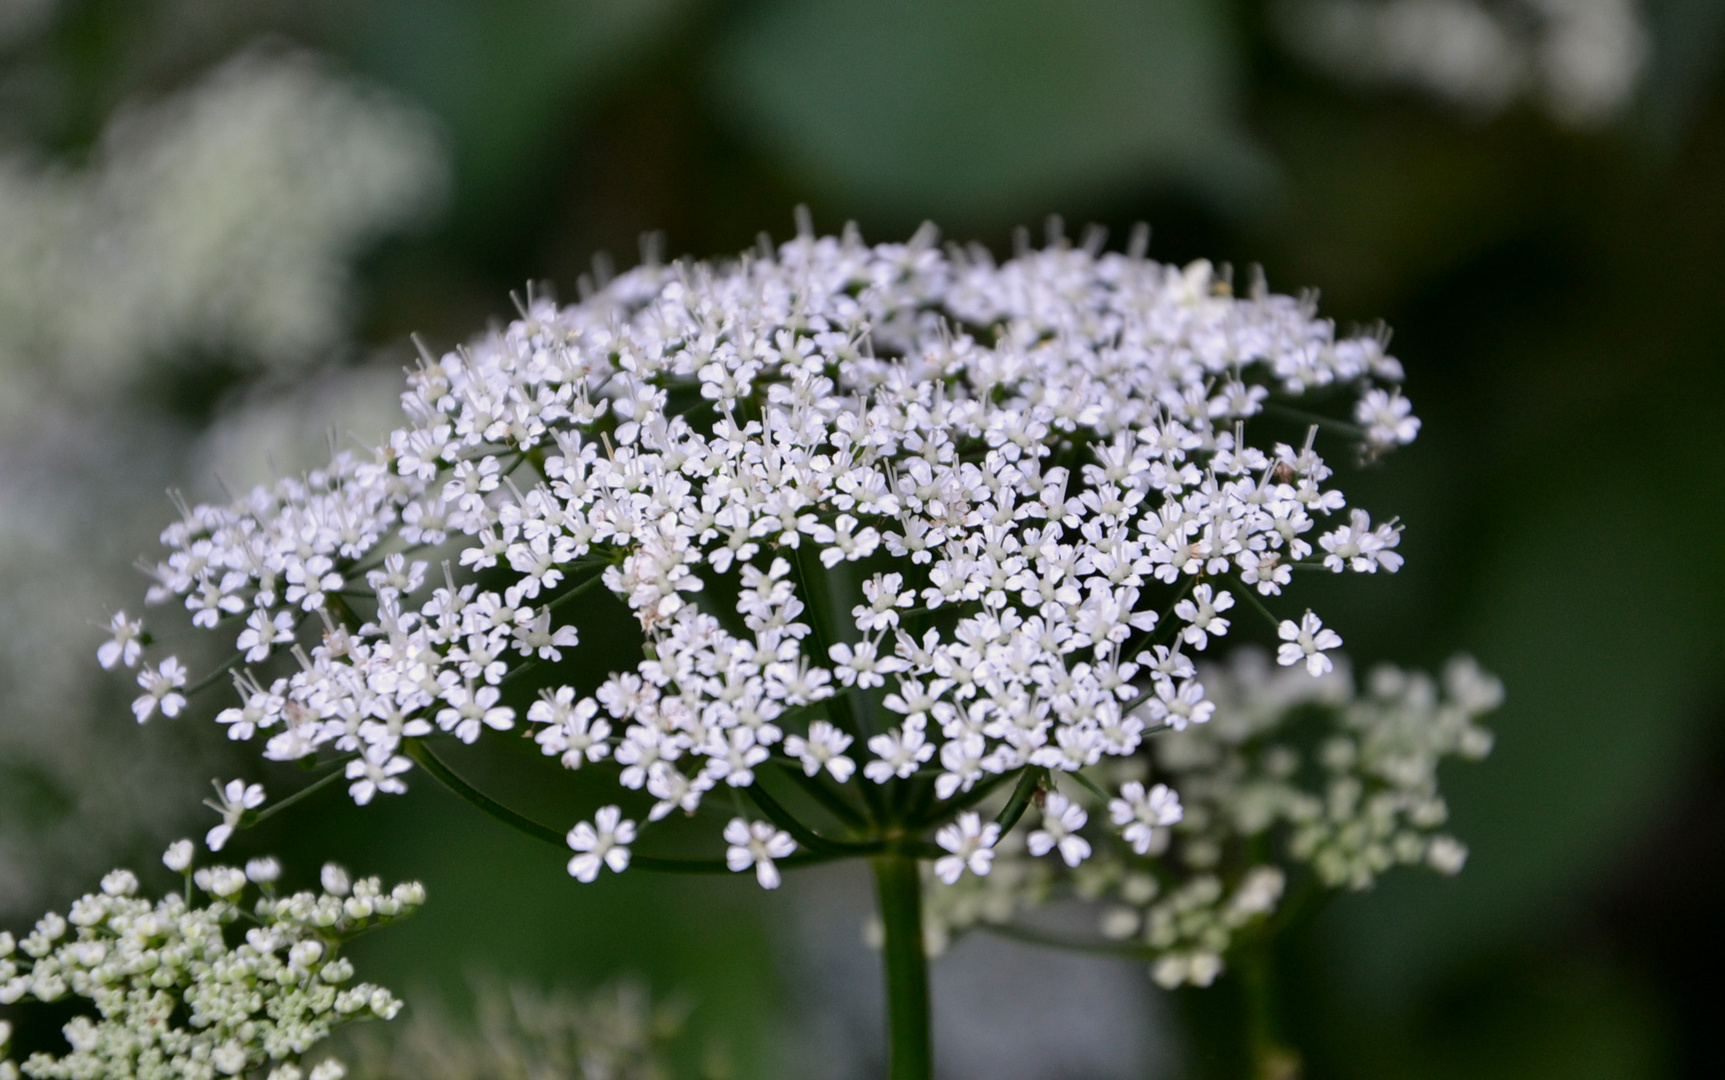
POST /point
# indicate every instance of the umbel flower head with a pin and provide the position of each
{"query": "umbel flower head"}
(894, 524)
(179, 992)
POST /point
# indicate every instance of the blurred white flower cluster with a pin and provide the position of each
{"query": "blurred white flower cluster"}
(174, 999)
(616, 1032)
(1294, 781)
(1579, 60)
(954, 517)
(219, 221)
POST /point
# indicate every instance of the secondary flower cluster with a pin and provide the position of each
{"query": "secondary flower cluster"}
(176, 997)
(884, 510)
(1342, 784)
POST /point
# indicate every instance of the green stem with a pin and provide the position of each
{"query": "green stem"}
(982, 790)
(305, 792)
(229, 666)
(576, 591)
(1271, 1057)
(823, 632)
(910, 1048)
(1341, 427)
(1028, 781)
(802, 834)
(818, 791)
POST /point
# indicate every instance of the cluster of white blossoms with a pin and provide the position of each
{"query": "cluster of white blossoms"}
(897, 519)
(180, 994)
(1293, 779)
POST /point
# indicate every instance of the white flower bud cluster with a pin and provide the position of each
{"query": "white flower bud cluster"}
(1342, 784)
(179, 993)
(967, 514)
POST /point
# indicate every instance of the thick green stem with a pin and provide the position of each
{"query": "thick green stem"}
(1272, 1058)
(910, 1048)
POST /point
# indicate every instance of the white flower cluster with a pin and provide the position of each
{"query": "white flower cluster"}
(221, 218)
(953, 517)
(176, 1000)
(1344, 785)
(219, 221)
(1582, 60)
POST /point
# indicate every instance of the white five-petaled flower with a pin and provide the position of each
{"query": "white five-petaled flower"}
(1307, 641)
(161, 690)
(376, 769)
(861, 665)
(124, 646)
(1387, 417)
(971, 844)
(603, 842)
(1143, 812)
(1359, 547)
(1061, 820)
(824, 747)
(757, 844)
(898, 753)
(469, 708)
(1178, 707)
(264, 632)
(236, 797)
(1202, 612)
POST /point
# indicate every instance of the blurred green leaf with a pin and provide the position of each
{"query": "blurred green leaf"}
(1610, 646)
(985, 110)
(1576, 1018)
(508, 80)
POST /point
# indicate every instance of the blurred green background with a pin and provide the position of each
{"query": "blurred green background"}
(1530, 192)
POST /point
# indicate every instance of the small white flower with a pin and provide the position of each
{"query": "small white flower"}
(471, 707)
(328, 1069)
(178, 857)
(161, 690)
(674, 790)
(124, 647)
(1308, 642)
(757, 844)
(264, 632)
(264, 871)
(235, 799)
(120, 883)
(1061, 820)
(861, 666)
(1446, 855)
(334, 879)
(1143, 813)
(1387, 418)
(971, 844)
(1178, 707)
(898, 753)
(604, 842)
(823, 748)
(1201, 613)
(376, 770)
(535, 636)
